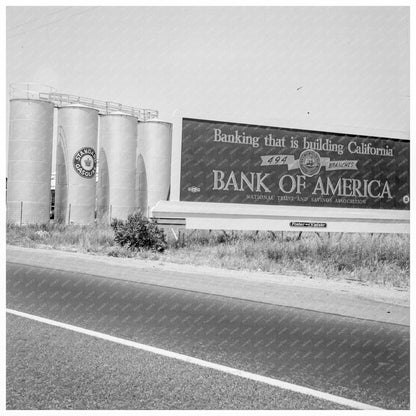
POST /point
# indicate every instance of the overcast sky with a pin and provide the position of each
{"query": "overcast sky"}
(337, 65)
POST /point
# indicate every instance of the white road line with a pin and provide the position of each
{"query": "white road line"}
(229, 370)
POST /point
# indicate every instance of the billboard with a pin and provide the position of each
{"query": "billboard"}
(227, 162)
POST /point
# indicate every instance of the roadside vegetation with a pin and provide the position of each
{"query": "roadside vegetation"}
(380, 259)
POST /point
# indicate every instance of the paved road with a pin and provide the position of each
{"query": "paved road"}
(54, 368)
(362, 360)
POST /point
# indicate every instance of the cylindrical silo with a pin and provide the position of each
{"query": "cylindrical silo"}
(153, 163)
(29, 161)
(76, 164)
(117, 161)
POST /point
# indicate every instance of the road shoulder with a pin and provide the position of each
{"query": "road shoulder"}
(348, 299)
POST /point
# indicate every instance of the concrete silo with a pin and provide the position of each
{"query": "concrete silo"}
(29, 161)
(76, 164)
(153, 163)
(117, 166)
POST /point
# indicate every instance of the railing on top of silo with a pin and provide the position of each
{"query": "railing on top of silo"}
(35, 91)
(104, 107)
(29, 90)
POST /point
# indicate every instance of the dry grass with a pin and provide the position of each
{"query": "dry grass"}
(88, 238)
(382, 259)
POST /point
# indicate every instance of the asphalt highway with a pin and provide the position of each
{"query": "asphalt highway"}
(367, 361)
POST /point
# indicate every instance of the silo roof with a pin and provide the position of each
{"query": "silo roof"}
(156, 120)
(119, 113)
(76, 105)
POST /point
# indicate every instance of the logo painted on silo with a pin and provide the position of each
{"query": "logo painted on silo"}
(85, 162)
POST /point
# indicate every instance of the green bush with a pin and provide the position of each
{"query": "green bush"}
(137, 232)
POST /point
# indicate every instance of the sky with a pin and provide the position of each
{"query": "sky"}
(345, 66)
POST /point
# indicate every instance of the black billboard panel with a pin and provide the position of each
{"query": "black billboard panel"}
(249, 164)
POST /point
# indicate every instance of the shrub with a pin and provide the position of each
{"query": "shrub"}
(116, 223)
(138, 232)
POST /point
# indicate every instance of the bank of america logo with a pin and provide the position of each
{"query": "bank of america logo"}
(309, 162)
(194, 189)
